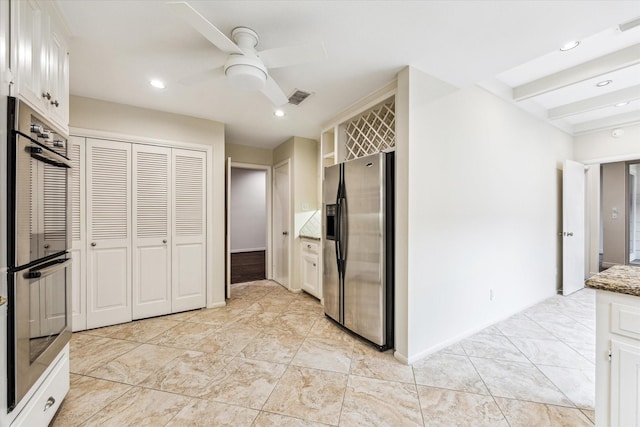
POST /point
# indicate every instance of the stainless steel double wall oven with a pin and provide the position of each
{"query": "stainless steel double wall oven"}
(38, 230)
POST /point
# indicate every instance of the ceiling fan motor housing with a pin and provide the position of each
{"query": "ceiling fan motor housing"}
(245, 71)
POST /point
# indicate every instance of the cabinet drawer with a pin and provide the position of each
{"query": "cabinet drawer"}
(46, 401)
(625, 320)
(308, 246)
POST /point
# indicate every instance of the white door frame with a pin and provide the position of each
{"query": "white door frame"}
(289, 220)
(592, 217)
(268, 185)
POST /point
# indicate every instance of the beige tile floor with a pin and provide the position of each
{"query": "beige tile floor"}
(270, 358)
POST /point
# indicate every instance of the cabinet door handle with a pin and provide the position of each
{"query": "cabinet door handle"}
(56, 103)
(93, 243)
(46, 246)
(314, 265)
(50, 402)
(46, 95)
(309, 246)
(164, 240)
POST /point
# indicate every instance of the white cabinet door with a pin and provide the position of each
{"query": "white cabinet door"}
(625, 384)
(151, 240)
(77, 188)
(58, 79)
(108, 232)
(188, 249)
(310, 273)
(33, 26)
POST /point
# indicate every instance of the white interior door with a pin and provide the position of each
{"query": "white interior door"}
(573, 227)
(108, 232)
(76, 152)
(281, 224)
(151, 235)
(189, 230)
(228, 230)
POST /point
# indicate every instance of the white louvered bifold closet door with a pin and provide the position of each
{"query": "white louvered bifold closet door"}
(76, 153)
(189, 230)
(151, 221)
(108, 232)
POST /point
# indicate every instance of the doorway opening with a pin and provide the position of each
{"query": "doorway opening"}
(248, 218)
(633, 179)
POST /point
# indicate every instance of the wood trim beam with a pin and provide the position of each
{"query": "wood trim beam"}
(595, 103)
(614, 61)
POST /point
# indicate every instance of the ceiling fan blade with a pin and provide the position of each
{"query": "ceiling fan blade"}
(194, 79)
(293, 55)
(204, 27)
(272, 91)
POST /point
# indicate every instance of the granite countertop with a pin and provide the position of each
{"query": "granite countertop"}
(311, 228)
(623, 279)
(3, 301)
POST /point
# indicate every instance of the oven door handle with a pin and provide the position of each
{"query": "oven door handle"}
(43, 153)
(36, 273)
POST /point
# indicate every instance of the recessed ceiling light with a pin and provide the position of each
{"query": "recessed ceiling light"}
(604, 83)
(158, 84)
(278, 113)
(570, 45)
(622, 104)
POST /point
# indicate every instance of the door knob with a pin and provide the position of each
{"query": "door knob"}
(93, 243)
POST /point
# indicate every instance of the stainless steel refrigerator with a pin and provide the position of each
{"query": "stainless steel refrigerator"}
(358, 273)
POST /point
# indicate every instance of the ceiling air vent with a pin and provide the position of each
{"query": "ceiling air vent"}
(298, 96)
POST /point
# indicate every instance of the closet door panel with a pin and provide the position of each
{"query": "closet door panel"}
(189, 230)
(108, 232)
(151, 229)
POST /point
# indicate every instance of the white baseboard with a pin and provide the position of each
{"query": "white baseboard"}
(236, 251)
(217, 304)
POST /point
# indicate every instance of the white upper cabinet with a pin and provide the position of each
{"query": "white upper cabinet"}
(43, 63)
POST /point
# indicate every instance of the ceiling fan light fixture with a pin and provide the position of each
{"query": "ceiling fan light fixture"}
(604, 83)
(246, 77)
(570, 45)
(246, 72)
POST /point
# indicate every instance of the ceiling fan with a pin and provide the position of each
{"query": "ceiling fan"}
(246, 67)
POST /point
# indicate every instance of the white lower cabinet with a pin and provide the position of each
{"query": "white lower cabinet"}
(310, 267)
(145, 244)
(617, 359)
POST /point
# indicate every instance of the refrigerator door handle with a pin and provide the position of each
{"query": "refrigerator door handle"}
(338, 235)
(343, 229)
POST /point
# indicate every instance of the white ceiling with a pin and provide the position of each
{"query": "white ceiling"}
(118, 46)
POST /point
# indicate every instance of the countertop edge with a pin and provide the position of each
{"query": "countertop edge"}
(615, 289)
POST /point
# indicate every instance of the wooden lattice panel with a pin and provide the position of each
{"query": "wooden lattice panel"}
(372, 132)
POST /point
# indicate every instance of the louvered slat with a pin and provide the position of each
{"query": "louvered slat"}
(188, 195)
(74, 153)
(152, 196)
(109, 193)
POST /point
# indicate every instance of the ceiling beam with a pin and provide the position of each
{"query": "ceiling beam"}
(595, 103)
(587, 70)
(625, 119)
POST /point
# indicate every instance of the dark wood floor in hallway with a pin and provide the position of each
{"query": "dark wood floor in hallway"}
(247, 266)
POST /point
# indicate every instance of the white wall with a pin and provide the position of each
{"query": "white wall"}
(248, 210)
(483, 205)
(601, 147)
